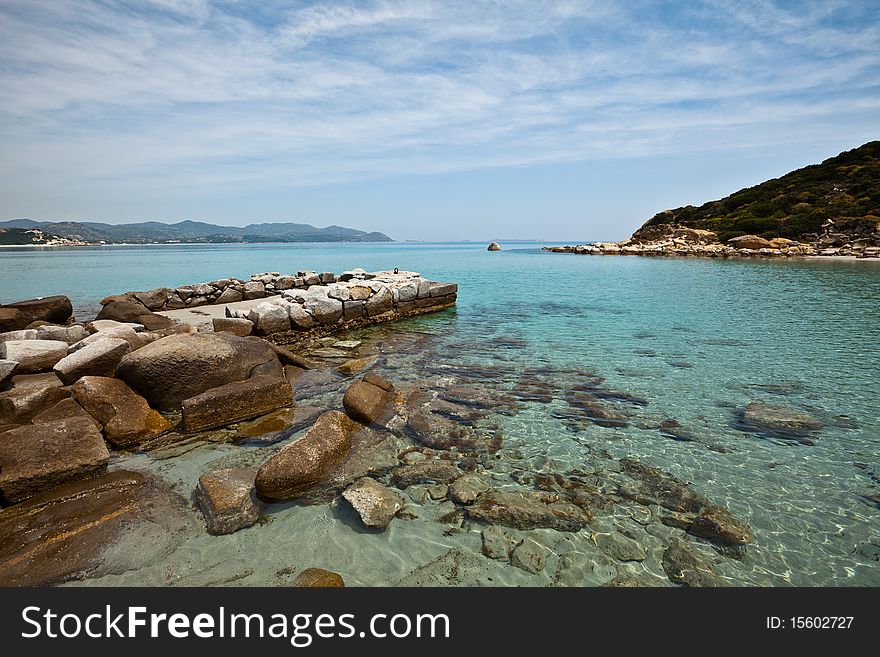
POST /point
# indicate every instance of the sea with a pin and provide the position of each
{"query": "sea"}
(690, 341)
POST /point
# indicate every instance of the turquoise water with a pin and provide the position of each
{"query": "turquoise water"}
(695, 339)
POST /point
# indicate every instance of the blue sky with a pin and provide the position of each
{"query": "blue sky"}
(422, 119)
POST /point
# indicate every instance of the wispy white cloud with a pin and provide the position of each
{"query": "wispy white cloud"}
(177, 94)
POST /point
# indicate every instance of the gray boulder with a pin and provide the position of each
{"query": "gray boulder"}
(99, 358)
(324, 309)
(33, 355)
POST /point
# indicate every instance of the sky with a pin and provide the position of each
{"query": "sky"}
(426, 120)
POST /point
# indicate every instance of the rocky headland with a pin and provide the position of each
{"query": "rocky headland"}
(828, 209)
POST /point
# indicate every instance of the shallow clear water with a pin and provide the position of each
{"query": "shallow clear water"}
(697, 339)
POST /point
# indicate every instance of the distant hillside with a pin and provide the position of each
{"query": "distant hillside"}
(27, 235)
(153, 232)
(845, 189)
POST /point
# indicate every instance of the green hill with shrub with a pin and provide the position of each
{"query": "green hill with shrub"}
(845, 188)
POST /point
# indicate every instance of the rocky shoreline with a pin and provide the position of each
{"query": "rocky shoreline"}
(672, 240)
(80, 399)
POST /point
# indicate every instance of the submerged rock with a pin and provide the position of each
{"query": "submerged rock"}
(697, 515)
(498, 543)
(36, 458)
(466, 489)
(526, 509)
(299, 466)
(181, 366)
(620, 547)
(530, 556)
(369, 400)
(425, 472)
(779, 421)
(683, 566)
(126, 417)
(318, 578)
(375, 504)
(226, 500)
(78, 528)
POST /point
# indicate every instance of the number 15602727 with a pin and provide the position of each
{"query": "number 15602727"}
(809, 622)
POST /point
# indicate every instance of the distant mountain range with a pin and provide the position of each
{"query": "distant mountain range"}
(188, 232)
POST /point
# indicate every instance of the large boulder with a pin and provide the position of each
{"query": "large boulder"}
(369, 400)
(374, 503)
(66, 409)
(181, 366)
(126, 417)
(99, 358)
(750, 242)
(124, 311)
(493, 246)
(269, 318)
(38, 457)
(33, 355)
(54, 310)
(12, 319)
(324, 309)
(226, 498)
(234, 402)
(22, 403)
(303, 463)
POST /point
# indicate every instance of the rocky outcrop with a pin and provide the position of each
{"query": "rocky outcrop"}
(36, 458)
(302, 464)
(234, 402)
(126, 417)
(493, 246)
(181, 366)
(375, 504)
(226, 498)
